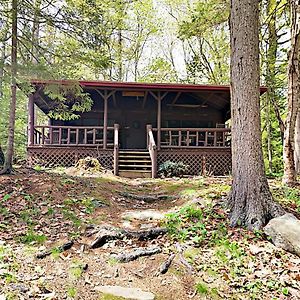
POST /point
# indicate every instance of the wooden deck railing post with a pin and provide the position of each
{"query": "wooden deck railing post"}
(105, 120)
(31, 120)
(116, 149)
(152, 150)
(158, 120)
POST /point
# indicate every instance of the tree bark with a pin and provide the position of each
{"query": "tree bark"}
(12, 114)
(297, 145)
(289, 176)
(250, 201)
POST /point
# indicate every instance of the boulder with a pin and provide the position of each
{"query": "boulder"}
(285, 233)
(126, 293)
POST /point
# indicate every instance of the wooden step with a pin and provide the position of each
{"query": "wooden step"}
(129, 160)
(134, 152)
(135, 173)
(134, 166)
(135, 163)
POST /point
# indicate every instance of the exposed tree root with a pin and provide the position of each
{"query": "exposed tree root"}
(61, 248)
(106, 234)
(188, 266)
(166, 265)
(126, 257)
(146, 198)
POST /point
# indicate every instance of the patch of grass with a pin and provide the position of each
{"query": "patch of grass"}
(6, 197)
(38, 168)
(202, 288)
(72, 217)
(189, 193)
(72, 292)
(112, 261)
(191, 254)
(32, 237)
(9, 266)
(67, 181)
(28, 215)
(288, 196)
(187, 223)
(76, 270)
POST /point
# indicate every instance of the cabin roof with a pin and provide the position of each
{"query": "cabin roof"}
(138, 86)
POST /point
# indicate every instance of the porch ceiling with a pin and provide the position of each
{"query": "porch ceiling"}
(217, 96)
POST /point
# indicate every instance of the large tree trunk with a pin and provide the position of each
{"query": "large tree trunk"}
(297, 145)
(289, 176)
(12, 114)
(250, 200)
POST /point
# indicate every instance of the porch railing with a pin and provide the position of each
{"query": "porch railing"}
(72, 136)
(116, 149)
(152, 150)
(195, 137)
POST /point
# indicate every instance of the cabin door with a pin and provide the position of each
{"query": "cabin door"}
(133, 131)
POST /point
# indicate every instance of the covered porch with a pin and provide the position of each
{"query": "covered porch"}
(170, 122)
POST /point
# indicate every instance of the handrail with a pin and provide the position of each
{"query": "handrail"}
(195, 129)
(116, 149)
(70, 135)
(195, 137)
(72, 127)
(152, 150)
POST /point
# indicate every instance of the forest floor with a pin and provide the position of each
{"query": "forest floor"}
(42, 210)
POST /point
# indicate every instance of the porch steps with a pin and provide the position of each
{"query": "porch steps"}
(134, 164)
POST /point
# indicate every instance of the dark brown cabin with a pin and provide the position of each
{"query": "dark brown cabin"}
(134, 127)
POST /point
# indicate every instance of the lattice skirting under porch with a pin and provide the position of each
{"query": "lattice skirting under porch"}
(200, 161)
(67, 157)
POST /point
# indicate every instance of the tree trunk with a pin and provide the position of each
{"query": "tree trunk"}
(289, 176)
(12, 114)
(1, 156)
(297, 145)
(271, 76)
(250, 201)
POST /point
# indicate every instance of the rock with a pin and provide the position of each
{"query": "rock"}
(142, 215)
(127, 293)
(285, 233)
(19, 287)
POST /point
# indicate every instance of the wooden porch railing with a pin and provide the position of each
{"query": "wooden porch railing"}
(195, 137)
(116, 149)
(72, 136)
(152, 150)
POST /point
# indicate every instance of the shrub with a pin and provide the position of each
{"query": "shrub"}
(171, 169)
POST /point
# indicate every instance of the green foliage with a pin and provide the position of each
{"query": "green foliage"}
(202, 288)
(171, 169)
(206, 15)
(72, 292)
(159, 70)
(70, 100)
(32, 237)
(187, 223)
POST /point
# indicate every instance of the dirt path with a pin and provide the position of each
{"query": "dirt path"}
(41, 211)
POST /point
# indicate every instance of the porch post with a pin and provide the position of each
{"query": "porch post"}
(30, 120)
(158, 120)
(105, 121)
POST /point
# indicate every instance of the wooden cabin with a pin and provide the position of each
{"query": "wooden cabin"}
(133, 128)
